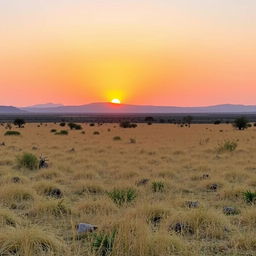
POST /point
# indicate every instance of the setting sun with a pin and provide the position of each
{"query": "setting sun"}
(116, 101)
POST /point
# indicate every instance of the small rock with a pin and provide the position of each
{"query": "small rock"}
(2, 144)
(155, 220)
(71, 150)
(34, 148)
(191, 204)
(16, 179)
(43, 162)
(205, 176)
(142, 182)
(213, 187)
(230, 210)
(85, 228)
(180, 227)
(55, 192)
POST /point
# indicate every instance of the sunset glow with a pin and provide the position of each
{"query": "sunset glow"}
(116, 101)
(157, 52)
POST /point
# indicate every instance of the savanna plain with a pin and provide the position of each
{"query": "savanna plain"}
(153, 190)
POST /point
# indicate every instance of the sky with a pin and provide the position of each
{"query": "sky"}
(155, 52)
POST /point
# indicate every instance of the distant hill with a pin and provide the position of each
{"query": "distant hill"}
(105, 107)
(43, 106)
(10, 110)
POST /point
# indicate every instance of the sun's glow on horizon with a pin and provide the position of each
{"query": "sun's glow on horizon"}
(129, 51)
(116, 101)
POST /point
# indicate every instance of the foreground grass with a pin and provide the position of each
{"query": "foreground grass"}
(137, 194)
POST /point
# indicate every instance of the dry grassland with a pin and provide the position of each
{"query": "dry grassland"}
(158, 221)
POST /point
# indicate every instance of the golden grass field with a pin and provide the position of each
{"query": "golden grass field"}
(32, 223)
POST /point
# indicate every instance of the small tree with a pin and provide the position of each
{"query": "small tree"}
(19, 122)
(241, 123)
(149, 119)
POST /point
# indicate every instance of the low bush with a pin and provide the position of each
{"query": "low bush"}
(229, 146)
(132, 140)
(53, 130)
(62, 132)
(127, 124)
(27, 160)
(217, 122)
(74, 126)
(117, 138)
(12, 133)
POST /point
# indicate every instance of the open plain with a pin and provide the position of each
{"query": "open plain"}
(154, 190)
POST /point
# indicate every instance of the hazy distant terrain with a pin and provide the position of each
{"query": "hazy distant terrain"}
(10, 110)
(104, 107)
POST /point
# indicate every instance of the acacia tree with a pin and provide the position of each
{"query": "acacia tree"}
(19, 122)
(241, 123)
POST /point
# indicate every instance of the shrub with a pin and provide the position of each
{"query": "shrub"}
(12, 133)
(27, 160)
(8, 126)
(96, 133)
(53, 130)
(250, 197)
(241, 123)
(74, 126)
(103, 243)
(158, 186)
(62, 132)
(227, 146)
(117, 138)
(92, 124)
(127, 124)
(187, 120)
(149, 119)
(132, 140)
(254, 124)
(19, 122)
(217, 122)
(122, 196)
(62, 124)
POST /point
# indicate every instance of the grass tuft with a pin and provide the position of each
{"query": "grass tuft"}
(122, 196)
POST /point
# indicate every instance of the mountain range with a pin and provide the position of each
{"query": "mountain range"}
(106, 107)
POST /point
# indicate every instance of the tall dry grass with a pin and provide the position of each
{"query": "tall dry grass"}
(153, 179)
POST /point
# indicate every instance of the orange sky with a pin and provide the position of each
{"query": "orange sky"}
(181, 52)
